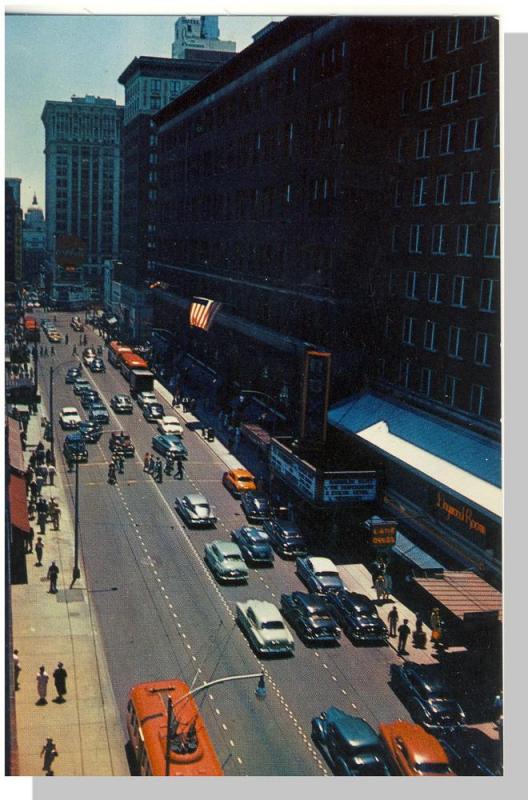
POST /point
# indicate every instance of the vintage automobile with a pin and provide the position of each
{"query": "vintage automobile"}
(255, 506)
(121, 440)
(195, 510)
(225, 561)
(423, 690)
(81, 385)
(146, 397)
(348, 743)
(74, 447)
(153, 411)
(285, 537)
(122, 404)
(254, 544)
(88, 356)
(319, 574)
(412, 751)
(72, 375)
(310, 616)
(98, 365)
(89, 397)
(90, 431)
(54, 336)
(238, 481)
(99, 413)
(77, 324)
(171, 446)
(358, 616)
(264, 627)
(471, 752)
(69, 418)
(170, 426)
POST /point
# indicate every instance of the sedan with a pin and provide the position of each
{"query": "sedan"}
(74, 447)
(90, 431)
(310, 616)
(423, 689)
(98, 365)
(319, 574)
(153, 412)
(146, 397)
(55, 336)
(349, 744)
(88, 356)
(89, 397)
(81, 385)
(195, 510)
(286, 537)
(169, 446)
(225, 561)
(69, 418)
(171, 426)
(358, 616)
(72, 375)
(122, 441)
(412, 751)
(471, 752)
(122, 404)
(238, 481)
(255, 506)
(254, 544)
(98, 413)
(263, 625)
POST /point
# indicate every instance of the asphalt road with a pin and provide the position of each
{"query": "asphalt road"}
(162, 614)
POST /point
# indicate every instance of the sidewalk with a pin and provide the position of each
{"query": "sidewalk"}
(48, 628)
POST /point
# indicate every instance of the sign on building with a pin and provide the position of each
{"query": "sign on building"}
(314, 400)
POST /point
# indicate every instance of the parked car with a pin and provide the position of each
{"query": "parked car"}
(285, 537)
(122, 440)
(90, 431)
(169, 446)
(195, 510)
(88, 356)
(319, 574)
(225, 561)
(471, 752)
(146, 397)
(238, 481)
(255, 506)
(171, 426)
(74, 447)
(122, 404)
(89, 397)
(81, 385)
(77, 324)
(264, 627)
(153, 411)
(358, 616)
(310, 616)
(349, 744)
(98, 365)
(72, 375)
(412, 751)
(69, 418)
(254, 544)
(54, 336)
(423, 689)
(98, 413)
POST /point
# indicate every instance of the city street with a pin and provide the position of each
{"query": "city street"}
(162, 614)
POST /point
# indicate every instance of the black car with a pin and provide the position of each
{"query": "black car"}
(358, 616)
(122, 404)
(255, 505)
(349, 744)
(98, 413)
(89, 397)
(310, 616)
(423, 689)
(285, 537)
(74, 447)
(254, 544)
(90, 431)
(72, 374)
(471, 752)
(98, 365)
(153, 412)
(119, 440)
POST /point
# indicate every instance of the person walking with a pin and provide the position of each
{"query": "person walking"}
(49, 457)
(29, 540)
(41, 521)
(404, 632)
(379, 585)
(40, 483)
(387, 591)
(59, 676)
(17, 668)
(159, 471)
(66, 338)
(51, 474)
(33, 490)
(436, 624)
(49, 751)
(55, 516)
(146, 462)
(393, 621)
(179, 469)
(53, 574)
(42, 686)
(29, 477)
(39, 550)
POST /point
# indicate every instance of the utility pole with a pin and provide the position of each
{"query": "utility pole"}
(52, 432)
(76, 570)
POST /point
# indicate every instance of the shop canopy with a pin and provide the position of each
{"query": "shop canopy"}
(464, 594)
(415, 555)
(18, 504)
(15, 453)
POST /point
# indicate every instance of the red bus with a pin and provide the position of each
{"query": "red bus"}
(190, 751)
(129, 361)
(31, 330)
(115, 349)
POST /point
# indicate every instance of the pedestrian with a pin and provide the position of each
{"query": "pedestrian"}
(146, 462)
(33, 490)
(179, 470)
(44, 474)
(237, 437)
(42, 686)
(74, 351)
(17, 668)
(51, 474)
(169, 465)
(404, 632)
(70, 462)
(46, 351)
(59, 676)
(436, 624)
(41, 520)
(39, 549)
(66, 339)
(159, 471)
(174, 402)
(53, 574)
(23, 439)
(49, 457)
(393, 621)
(55, 517)
(29, 540)
(52, 350)
(29, 477)
(33, 460)
(379, 585)
(49, 751)
(388, 586)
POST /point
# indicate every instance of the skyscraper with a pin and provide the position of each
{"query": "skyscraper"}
(33, 242)
(198, 33)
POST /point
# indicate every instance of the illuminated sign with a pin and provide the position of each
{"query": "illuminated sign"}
(293, 472)
(464, 514)
(347, 489)
(383, 534)
(314, 406)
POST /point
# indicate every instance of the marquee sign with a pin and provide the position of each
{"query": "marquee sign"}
(314, 404)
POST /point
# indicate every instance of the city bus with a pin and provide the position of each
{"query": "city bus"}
(130, 361)
(115, 349)
(31, 330)
(189, 752)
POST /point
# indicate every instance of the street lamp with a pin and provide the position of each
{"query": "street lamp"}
(52, 429)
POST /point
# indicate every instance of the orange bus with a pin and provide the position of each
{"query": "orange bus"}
(189, 752)
(115, 349)
(129, 361)
(31, 330)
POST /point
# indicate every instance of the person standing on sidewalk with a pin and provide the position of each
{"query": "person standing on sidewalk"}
(146, 462)
(379, 585)
(51, 474)
(42, 686)
(39, 550)
(393, 621)
(42, 522)
(53, 574)
(49, 751)
(404, 632)
(55, 516)
(179, 469)
(59, 676)
(17, 668)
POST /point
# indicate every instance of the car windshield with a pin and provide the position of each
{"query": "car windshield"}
(202, 505)
(232, 557)
(322, 618)
(328, 574)
(432, 768)
(274, 624)
(245, 479)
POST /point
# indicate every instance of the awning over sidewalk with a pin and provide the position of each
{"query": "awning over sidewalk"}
(18, 504)
(464, 594)
(415, 555)
(15, 454)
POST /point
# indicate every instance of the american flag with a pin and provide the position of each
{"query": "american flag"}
(203, 312)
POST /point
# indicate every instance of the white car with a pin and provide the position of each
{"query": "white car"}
(319, 574)
(264, 626)
(170, 426)
(144, 398)
(69, 418)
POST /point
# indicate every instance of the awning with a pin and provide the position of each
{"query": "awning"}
(18, 504)
(15, 453)
(410, 552)
(464, 594)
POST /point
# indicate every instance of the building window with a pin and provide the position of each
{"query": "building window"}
(442, 186)
(494, 186)
(450, 87)
(492, 241)
(430, 335)
(450, 389)
(426, 95)
(476, 403)
(288, 196)
(155, 103)
(467, 188)
(433, 288)
(395, 238)
(405, 373)
(406, 55)
(155, 86)
(476, 81)
(415, 239)
(425, 381)
(482, 349)
(458, 291)
(496, 131)
(463, 240)
(422, 143)
(410, 287)
(438, 240)
(404, 101)
(429, 46)
(399, 149)
(482, 29)
(453, 36)
(454, 345)
(488, 293)
(408, 330)
(473, 139)
(397, 198)
(419, 191)
(447, 138)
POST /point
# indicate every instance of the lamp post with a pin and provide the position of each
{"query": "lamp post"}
(76, 571)
(52, 425)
